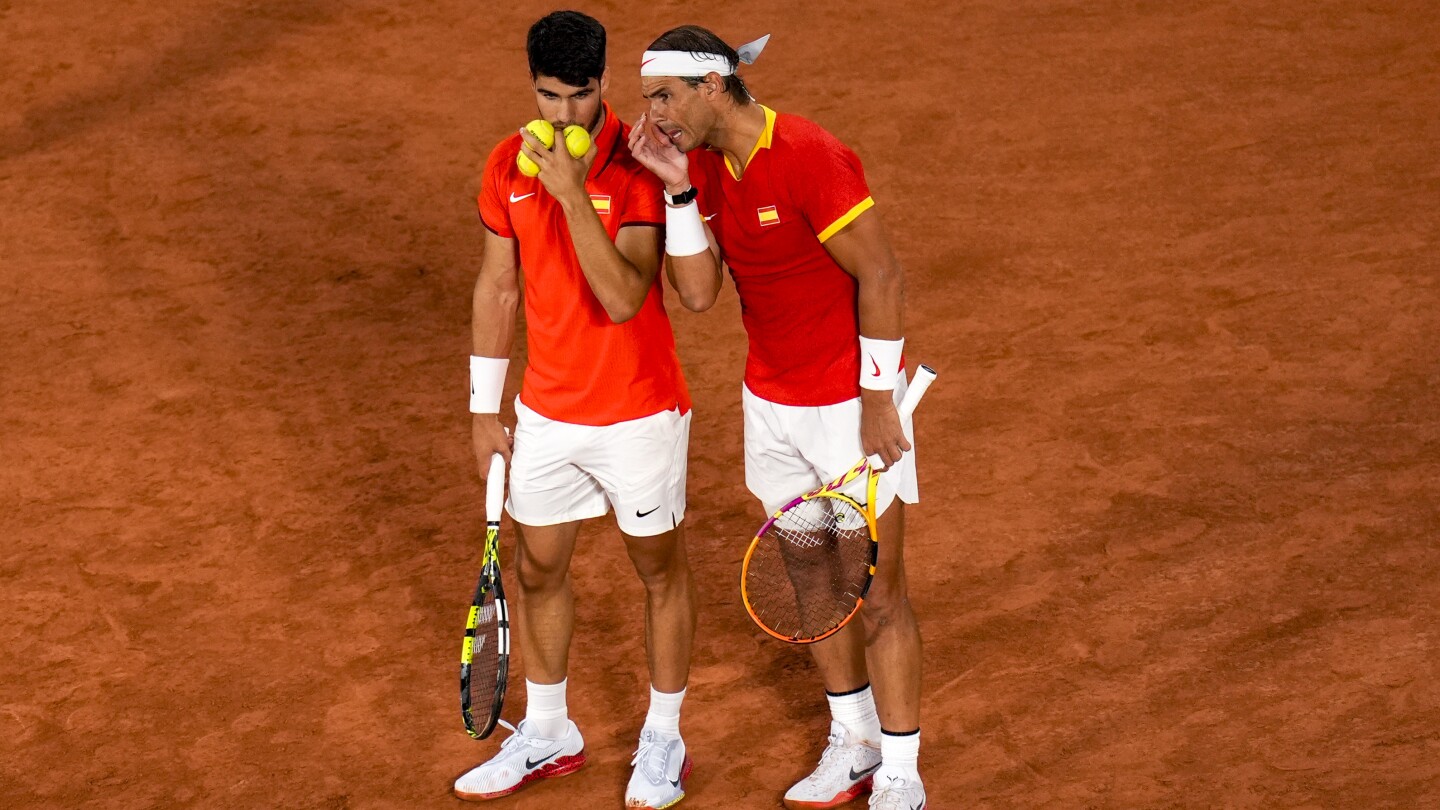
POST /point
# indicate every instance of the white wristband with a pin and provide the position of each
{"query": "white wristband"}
(880, 363)
(685, 231)
(487, 383)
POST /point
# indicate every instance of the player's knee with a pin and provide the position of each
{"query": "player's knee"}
(537, 575)
(659, 573)
(885, 606)
(659, 562)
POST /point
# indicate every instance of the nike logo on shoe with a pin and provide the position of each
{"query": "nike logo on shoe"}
(855, 777)
(514, 199)
(529, 764)
(640, 514)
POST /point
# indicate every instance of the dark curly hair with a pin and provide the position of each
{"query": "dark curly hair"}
(567, 45)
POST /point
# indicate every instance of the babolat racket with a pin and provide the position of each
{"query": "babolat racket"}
(809, 567)
(485, 658)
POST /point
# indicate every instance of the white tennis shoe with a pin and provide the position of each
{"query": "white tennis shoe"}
(523, 758)
(661, 766)
(897, 793)
(845, 772)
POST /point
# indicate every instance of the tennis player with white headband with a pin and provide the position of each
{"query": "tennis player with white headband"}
(785, 206)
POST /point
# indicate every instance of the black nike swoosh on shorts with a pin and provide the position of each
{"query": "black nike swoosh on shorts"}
(638, 513)
(529, 764)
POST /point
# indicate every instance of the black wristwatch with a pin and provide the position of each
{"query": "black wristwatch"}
(684, 197)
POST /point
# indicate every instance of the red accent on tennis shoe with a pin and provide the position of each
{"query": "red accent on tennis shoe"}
(560, 767)
(850, 794)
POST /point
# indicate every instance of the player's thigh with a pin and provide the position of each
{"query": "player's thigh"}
(828, 437)
(641, 465)
(547, 486)
(775, 470)
(889, 584)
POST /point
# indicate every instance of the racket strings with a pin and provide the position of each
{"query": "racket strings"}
(485, 656)
(810, 568)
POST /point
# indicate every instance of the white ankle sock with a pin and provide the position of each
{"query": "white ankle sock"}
(664, 714)
(899, 756)
(856, 712)
(545, 709)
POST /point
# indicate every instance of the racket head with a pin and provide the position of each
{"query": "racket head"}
(808, 569)
(484, 656)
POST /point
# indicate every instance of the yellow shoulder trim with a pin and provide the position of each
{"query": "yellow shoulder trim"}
(849, 217)
(766, 140)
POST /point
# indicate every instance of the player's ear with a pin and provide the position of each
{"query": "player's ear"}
(605, 80)
(711, 84)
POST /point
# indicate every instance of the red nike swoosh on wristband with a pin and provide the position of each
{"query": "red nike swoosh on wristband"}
(877, 367)
(648, 61)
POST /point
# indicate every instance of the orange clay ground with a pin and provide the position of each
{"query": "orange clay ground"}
(1175, 262)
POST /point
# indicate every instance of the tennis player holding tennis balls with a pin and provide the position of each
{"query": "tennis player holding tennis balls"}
(577, 143)
(603, 417)
(785, 206)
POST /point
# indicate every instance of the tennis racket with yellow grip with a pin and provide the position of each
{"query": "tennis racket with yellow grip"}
(485, 656)
(809, 567)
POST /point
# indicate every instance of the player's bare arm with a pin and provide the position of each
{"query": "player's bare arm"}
(697, 278)
(862, 249)
(492, 332)
(620, 273)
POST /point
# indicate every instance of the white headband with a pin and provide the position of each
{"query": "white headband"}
(697, 64)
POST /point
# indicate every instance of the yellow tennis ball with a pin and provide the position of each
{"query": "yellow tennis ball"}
(577, 140)
(543, 130)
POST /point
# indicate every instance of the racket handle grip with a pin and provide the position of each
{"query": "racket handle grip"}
(495, 489)
(923, 377)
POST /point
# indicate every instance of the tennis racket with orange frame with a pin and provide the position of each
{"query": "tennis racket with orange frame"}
(809, 567)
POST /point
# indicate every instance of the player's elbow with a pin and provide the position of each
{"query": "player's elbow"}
(622, 311)
(492, 298)
(698, 300)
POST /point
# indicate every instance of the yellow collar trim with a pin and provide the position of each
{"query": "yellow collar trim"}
(767, 137)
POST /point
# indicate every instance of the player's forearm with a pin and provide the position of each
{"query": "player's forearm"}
(881, 300)
(493, 310)
(619, 285)
(695, 278)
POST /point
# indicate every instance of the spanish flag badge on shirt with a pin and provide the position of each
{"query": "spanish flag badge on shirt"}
(768, 215)
(601, 203)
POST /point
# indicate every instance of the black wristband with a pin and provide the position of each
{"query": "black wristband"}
(683, 198)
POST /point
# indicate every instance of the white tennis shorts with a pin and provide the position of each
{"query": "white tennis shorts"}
(562, 472)
(791, 450)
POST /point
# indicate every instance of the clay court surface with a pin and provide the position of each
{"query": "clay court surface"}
(1176, 264)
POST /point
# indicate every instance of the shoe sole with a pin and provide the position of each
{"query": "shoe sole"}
(685, 769)
(560, 767)
(845, 796)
